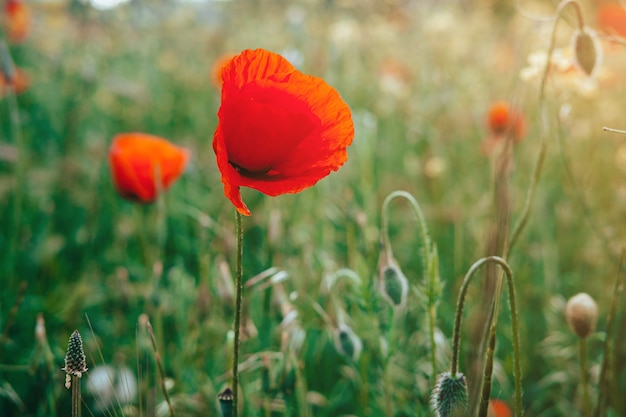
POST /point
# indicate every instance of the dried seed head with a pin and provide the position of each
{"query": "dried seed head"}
(581, 312)
(75, 360)
(586, 50)
(449, 398)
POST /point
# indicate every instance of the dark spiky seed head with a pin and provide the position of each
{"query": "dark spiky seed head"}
(586, 50)
(75, 360)
(581, 313)
(449, 398)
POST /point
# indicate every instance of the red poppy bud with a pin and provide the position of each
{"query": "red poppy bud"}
(142, 165)
(17, 20)
(279, 131)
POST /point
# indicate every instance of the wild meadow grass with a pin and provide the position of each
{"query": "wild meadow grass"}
(318, 337)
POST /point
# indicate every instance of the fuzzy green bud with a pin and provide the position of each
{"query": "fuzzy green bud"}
(393, 284)
(449, 398)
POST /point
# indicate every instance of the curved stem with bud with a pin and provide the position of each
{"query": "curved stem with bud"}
(514, 323)
(429, 259)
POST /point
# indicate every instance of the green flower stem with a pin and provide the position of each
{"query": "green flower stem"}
(427, 254)
(514, 324)
(8, 69)
(584, 379)
(536, 175)
(76, 410)
(238, 302)
(488, 368)
(605, 371)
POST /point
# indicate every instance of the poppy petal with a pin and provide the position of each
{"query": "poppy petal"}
(279, 131)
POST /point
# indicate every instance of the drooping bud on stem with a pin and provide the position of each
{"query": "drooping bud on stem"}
(393, 284)
(587, 51)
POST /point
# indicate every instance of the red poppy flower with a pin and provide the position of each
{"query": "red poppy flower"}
(17, 18)
(20, 82)
(218, 66)
(498, 408)
(139, 160)
(279, 131)
(504, 120)
(612, 18)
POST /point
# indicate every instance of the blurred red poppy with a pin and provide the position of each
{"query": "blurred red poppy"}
(143, 165)
(611, 18)
(498, 408)
(504, 120)
(20, 82)
(17, 18)
(279, 131)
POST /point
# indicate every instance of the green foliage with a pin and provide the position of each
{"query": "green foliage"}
(318, 337)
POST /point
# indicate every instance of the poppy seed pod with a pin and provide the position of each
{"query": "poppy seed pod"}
(586, 50)
(449, 398)
(581, 313)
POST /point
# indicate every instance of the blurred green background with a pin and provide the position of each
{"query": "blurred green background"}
(419, 77)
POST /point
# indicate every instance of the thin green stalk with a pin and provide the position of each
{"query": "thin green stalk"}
(238, 303)
(488, 370)
(606, 370)
(157, 357)
(514, 324)
(580, 198)
(8, 70)
(428, 253)
(584, 379)
(76, 397)
(536, 175)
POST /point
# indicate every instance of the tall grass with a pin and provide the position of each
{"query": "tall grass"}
(419, 77)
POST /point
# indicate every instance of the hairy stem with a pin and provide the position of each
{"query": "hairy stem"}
(238, 303)
(430, 275)
(584, 379)
(514, 324)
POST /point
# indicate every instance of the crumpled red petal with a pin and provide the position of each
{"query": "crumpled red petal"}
(279, 131)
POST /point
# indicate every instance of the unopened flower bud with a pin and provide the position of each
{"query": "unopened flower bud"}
(449, 398)
(393, 283)
(581, 313)
(347, 342)
(586, 50)
(226, 402)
